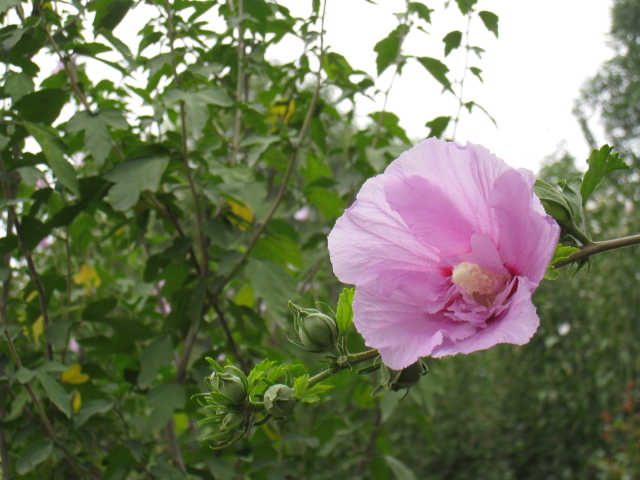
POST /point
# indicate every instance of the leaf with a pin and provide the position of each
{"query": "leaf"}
(53, 148)
(344, 311)
(196, 104)
(166, 398)
(399, 469)
(388, 50)
(452, 40)
(300, 385)
(24, 375)
(466, 6)
(91, 408)
(109, 13)
(133, 177)
(74, 375)
(194, 308)
(33, 456)
(157, 354)
(422, 10)
(271, 283)
(438, 125)
(18, 85)
(42, 106)
(56, 393)
(490, 21)
(477, 72)
(600, 163)
(7, 4)
(96, 134)
(328, 202)
(437, 69)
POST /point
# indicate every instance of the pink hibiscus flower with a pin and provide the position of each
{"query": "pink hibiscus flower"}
(445, 248)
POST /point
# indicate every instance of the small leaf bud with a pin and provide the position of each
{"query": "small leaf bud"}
(279, 400)
(406, 378)
(231, 386)
(231, 420)
(318, 332)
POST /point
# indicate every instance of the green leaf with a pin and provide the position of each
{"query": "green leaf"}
(166, 399)
(600, 163)
(42, 106)
(273, 284)
(18, 85)
(399, 469)
(132, 178)
(278, 249)
(490, 21)
(55, 392)
(438, 125)
(300, 385)
(194, 308)
(196, 104)
(96, 134)
(328, 202)
(109, 13)
(437, 69)
(53, 148)
(24, 375)
(91, 408)
(7, 4)
(344, 312)
(466, 6)
(33, 456)
(452, 40)
(422, 10)
(477, 72)
(157, 354)
(388, 50)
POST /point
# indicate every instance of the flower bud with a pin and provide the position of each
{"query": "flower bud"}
(231, 420)
(406, 378)
(231, 386)
(279, 400)
(318, 332)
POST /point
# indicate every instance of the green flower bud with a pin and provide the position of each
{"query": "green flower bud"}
(231, 421)
(231, 386)
(318, 332)
(406, 378)
(279, 400)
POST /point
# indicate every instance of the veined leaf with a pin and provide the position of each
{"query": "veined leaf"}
(600, 163)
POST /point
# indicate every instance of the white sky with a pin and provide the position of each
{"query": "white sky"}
(532, 73)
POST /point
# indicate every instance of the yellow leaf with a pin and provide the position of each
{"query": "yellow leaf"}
(120, 231)
(74, 375)
(181, 421)
(269, 432)
(281, 110)
(37, 329)
(76, 403)
(244, 297)
(31, 296)
(242, 214)
(87, 277)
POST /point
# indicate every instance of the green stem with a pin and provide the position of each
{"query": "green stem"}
(336, 369)
(594, 248)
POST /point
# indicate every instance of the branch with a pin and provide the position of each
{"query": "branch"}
(355, 359)
(598, 247)
(464, 74)
(239, 84)
(292, 162)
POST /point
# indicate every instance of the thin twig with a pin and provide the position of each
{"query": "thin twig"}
(292, 162)
(371, 443)
(355, 359)
(464, 75)
(239, 84)
(598, 247)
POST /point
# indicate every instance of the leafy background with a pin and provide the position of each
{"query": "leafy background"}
(170, 211)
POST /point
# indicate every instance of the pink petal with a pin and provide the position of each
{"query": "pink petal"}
(370, 240)
(517, 324)
(527, 237)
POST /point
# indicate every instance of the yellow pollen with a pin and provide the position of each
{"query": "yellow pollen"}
(472, 279)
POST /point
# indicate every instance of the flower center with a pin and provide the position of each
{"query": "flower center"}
(472, 279)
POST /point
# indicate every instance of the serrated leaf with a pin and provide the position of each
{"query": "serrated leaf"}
(563, 252)
(96, 134)
(421, 10)
(132, 178)
(437, 69)
(300, 385)
(438, 126)
(18, 85)
(55, 392)
(490, 21)
(600, 163)
(551, 273)
(388, 50)
(91, 408)
(42, 106)
(344, 311)
(53, 148)
(452, 40)
(197, 111)
(32, 456)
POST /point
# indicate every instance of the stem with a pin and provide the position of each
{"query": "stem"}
(292, 162)
(334, 370)
(239, 85)
(594, 248)
(464, 74)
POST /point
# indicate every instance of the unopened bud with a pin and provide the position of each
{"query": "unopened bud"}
(231, 420)
(318, 332)
(279, 400)
(397, 380)
(231, 386)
